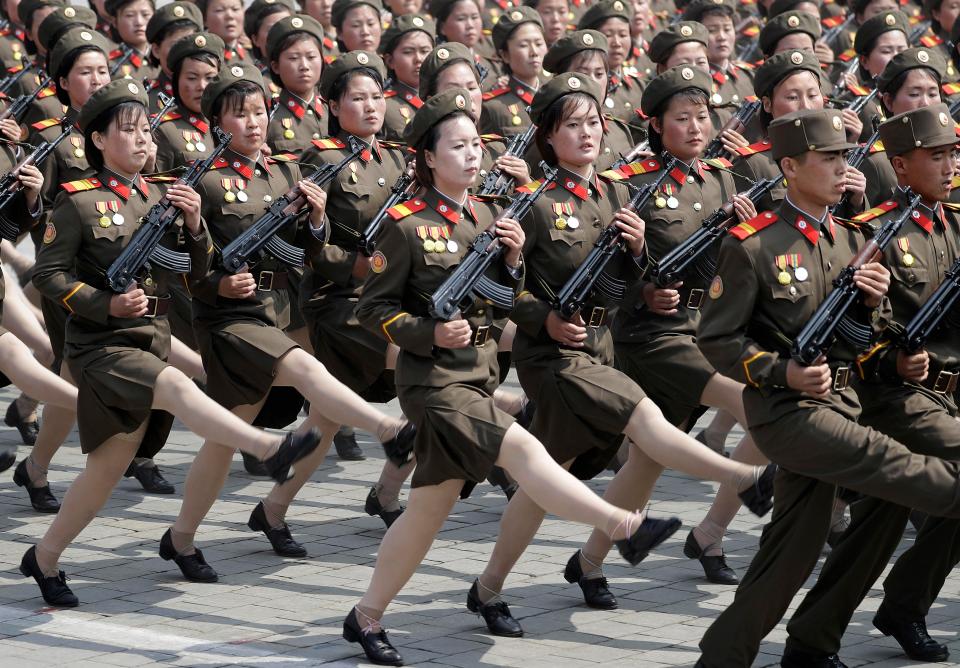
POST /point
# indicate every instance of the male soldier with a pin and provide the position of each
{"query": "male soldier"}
(773, 272)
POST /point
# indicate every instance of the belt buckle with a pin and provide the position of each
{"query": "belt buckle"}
(695, 299)
(153, 303)
(265, 281)
(943, 382)
(841, 378)
(481, 335)
(597, 314)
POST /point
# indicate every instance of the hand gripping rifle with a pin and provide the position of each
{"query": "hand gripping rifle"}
(10, 183)
(737, 122)
(856, 157)
(692, 253)
(19, 106)
(403, 189)
(468, 280)
(831, 317)
(497, 182)
(262, 235)
(144, 248)
(591, 274)
(934, 310)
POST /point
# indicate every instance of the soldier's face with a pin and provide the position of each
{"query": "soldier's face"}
(299, 67)
(319, 9)
(688, 53)
(131, 22)
(554, 14)
(797, 41)
(125, 143)
(920, 89)
(462, 75)
(684, 127)
(224, 18)
(89, 73)
(456, 159)
(408, 56)
(592, 65)
(576, 141)
(162, 50)
(617, 32)
(817, 178)
(194, 77)
(929, 171)
(401, 7)
(248, 125)
(361, 29)
(641, 14)
(525, 51)
(259, 38)
(464, 24)
(361, 108)
(722, 36)
(884, 49)
(798, 91)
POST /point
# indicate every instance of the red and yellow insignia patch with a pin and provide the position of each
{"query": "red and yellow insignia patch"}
(378, 263)
(716, 288)
(49, 233)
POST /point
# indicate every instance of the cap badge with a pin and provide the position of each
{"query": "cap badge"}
(793, 21)
(460, 101)
(362, 58)
(686, 31)
(923, 56)
(296, 22)
(178, 11)
(837, 124)
(236, 71)
(70, 12)
(796, 58)
(200, 41)
(516, 16)
(686, 73)
(943, 119)
(587, 39)
(443, 54)
(618, 6)
(574, 83)
(85, 36)
(417, 21)
(890, 19)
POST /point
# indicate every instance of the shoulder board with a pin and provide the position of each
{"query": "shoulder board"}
(409, 207)
(931, 41)
(282, 157)
(754, 225)
(847, 55)
(489, 95)
(491, 137)
(395, 145)
(876, 211)
(743, 65)
(46, 92)
(859, 226)
(858, 90)
(81, 185)
(389, 93)
(328, 143)
(170, 116)
(46, 123)
(529, 187)
(951, 206)
(721, 163)
(877, 147)
(220, 163)
(15, 68)
(160, 178)
(491, 199)
(951, 88)
(833, 21)
(647, 166)
(759, 147)
(751, 31)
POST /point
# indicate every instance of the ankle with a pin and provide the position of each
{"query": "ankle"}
(182, 542)
(48, 561)
(623, 524)
(388, 429)
(746, 477)
(369, 619)
(590, 565)
(489, 588)
(709, 540)
(36, 473)
(389, 499)
(275, 513)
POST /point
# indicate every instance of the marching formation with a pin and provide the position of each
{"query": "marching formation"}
(647, 208)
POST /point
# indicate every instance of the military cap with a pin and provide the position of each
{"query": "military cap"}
(875, 26)
(695, 10)
(442, 56)
(286, 27)
(674, 80)
(194, 45)
(74, 38)
(346, 62)
(403, 24)
(785, 24)
(780, 6)
(779, 66)
(926, 127)
(170, 13)
(259, 9)
(818, 130)
(26, 8)
(560, 85)
(911, 59)
(340, 8)
(570, 45)
(434, 110)
(678, 33)
(111, 7)
(116, 92)
(228, 76)
(62, 18)
(512, 19)
(603, 10)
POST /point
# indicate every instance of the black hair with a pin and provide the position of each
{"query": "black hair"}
(445, 12)
(114, 33)
(164, 32)
(125, 112)
(234, 97)
(428, 142)
(202, 57)
(432, 82)
(67, 64)
(720, 10)
(502, 53)
(289, 41)
(339, 88)
(570, 63)
(898, 81)
(695, 95)
(554, 115)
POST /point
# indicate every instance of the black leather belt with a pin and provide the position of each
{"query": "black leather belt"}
(157, 306)
(271, 280)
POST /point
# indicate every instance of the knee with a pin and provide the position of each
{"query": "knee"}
(173, 380)
(11, 347)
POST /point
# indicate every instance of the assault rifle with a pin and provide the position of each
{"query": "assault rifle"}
(404, 187)
(497, 182)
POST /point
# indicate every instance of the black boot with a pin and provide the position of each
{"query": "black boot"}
(399, 449)
(8, 457)
(254, 466)
(375, 645)
(149, 478)
(347, 448)
(41, 498)
(596, 593)
(54, 590)
(497, 615)
(280, 538)
(912, 636)
(293, 448)
(648, 535)
(372, 506)
(758, 498)
(714, 566)
(193, 566)
(28, 429)
(796, 658)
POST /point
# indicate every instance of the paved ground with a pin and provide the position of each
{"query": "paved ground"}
(267, 611)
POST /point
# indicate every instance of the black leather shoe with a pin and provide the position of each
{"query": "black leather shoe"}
(28, 430)
(714, 566)
(720, 449)
(8, 458)
(375, 645)
(596, 593)
(150, 478)
(499, 478)
(280, 538)
(372, 506)
(41, 498)
(193, 566)
(254, 466)
(795, 658)
(399, 449)
(912, 636)
(347, 448)
(293, 448)
(648, 535)
(758, 498)
(54, 590)
(497, 615)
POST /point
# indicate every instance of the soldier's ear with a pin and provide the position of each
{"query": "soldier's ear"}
(789, 167)
(430, 158)
(99, 140)
(656, 125)
(767, 104)
(899, 165)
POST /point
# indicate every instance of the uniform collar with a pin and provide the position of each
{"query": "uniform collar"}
(369, 151)
(72, 116)
(446, 207)
(243, 165)
(122, 187)
(408, 94)
(194, 119)
(682, 170)
(579, 186)
(925, 217)
(808, 226)
(521, 90)
(232, 52)
(298, 106)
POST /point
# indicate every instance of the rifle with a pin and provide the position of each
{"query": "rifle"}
(404, 187)
(831, 34)
(498, 183)
(591, 272)
(857, 104)
(926, 320)
(841, 83)
(126, 54)
(262, 235)
(482, 73)
(831, 317)
(8, 81)
(468, 280)
(10, 183)
(856, 157)
(918, 31)
(692, 251)
(737, 122)
(632, 156)
(20, 105)
(168, 102)
(144, 248)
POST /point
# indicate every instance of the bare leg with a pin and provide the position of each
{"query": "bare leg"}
(19, 319)
(54, 430)
(31, 377)
(715, 434)
(393, 352)
(391, 481)
(185, 359)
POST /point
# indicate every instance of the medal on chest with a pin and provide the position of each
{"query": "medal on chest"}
(903, 243)
(565, 218)
(77, 143)
(288, 132)
(109, 213)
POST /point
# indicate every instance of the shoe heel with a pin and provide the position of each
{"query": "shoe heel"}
(569, 573)
(19, 478)
(472, 606)
(350, 634)
(25, 571)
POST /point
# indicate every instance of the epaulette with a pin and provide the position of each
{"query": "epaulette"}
(950, 88)
(633, 169)
(15, 68)
(497, 92)
(396, 145)
(851, 224)
(719, 163)
(170, 116)
(531, 187)
(951, 205)
(409, 207)
(931, 41)
(491, 137)
(81, 185)
(282, 157)
(389, 93)
(876, 211)
(46, 92)
(743, 65)
(858, 90)
(45, 123)
(160, 178)
(754, 225)
(220, 163)
(847, 55)
(877, 147)
(328, 143)
(833, 21)
(751, 31)
(759, 147)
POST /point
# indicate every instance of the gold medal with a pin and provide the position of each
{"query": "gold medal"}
(439, 246)
(673, 202)
(660, 202)
(242, 196)
(78, 153)
(148, 281)
(288, 134)
(201, 146)
(907, 260)
(353, 177)
(560, 223)
(783, 278)
(104, 221)
(428, 245)
(516, 120)
(229, 196)
(190, 148)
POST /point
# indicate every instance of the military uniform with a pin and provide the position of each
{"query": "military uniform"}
(162, 84)
(137, 66)
(173, 17)
(12, 46)
(46, 105)
(402, 103)
(181, 138)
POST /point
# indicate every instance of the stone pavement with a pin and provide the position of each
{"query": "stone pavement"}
(268, 611)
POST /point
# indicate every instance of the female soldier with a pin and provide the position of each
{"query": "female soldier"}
(460, 21)
(130, 19)
(166, 27)
(116, 343)
(518, 38)
(239, 317)
(554, 15)
(224, 18)
(258, 18)
(447, 370)
(565, 366)
(358, 24)
(405, 45)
